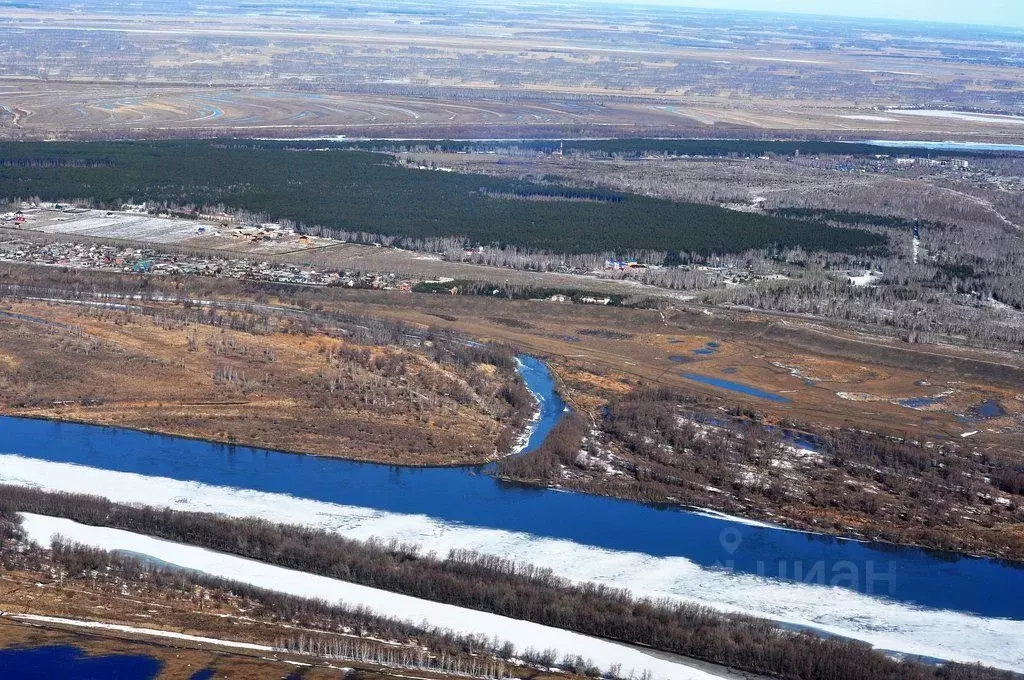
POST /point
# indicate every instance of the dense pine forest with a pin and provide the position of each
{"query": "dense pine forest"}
(355, 191)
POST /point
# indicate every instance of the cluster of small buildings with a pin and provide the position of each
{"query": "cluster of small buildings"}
(144, 260)
(257, 233)
(17, 217)
(884, 163)
(624, 265)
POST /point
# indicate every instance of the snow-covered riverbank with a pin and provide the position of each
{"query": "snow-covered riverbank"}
(522, 634)
(886, 624)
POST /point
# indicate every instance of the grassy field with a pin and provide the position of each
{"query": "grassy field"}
(489, 72)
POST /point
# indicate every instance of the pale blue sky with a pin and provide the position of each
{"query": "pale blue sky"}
(991, 12)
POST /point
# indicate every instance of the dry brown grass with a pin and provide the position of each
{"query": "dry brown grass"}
(756, 349)
(594, 368)
(131, 371)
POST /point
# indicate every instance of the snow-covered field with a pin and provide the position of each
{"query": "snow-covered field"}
(873, 119)
(523, 634)
(125, 225)
(886, 624)
(961, 115)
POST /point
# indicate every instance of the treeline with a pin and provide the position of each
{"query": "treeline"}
(499, 586)
(559, 192)
(631, 148)
(672, 446)
(952, 287)
(50, 163)
(371, 194)
(330, 631)
(938, 306)
(510, 291)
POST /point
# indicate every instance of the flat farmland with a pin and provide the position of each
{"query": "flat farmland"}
(495, 71)
(81, 111)
(72, 110)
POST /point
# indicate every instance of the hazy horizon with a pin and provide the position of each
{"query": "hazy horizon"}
(991, 13)
(998, 13)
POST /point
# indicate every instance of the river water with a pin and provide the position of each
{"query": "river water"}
(70, 662)
(468, 496)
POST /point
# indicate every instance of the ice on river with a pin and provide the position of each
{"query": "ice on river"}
(885, 624)
(523, 634)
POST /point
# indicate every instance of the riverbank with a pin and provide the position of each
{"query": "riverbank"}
(362, 388)
(667, 450)
(480, 582)
(524, 635)
(905, 584)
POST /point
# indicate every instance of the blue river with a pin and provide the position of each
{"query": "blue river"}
(470, 496)
(45, 663)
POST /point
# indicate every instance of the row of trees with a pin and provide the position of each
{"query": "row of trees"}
(330, 631)
(638, 148)
(502, 587)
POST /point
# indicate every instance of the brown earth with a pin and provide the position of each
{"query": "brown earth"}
(841, 379)
(833, 377)
(807, 363)
(289, 388)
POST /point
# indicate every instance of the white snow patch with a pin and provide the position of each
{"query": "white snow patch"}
(961, 115)
(523, 634)
(800, 452)
(886, 624)
(788, 61)
(996, 304)
(866, 278)
(873, 119)
(151, 632)
(708, 512)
